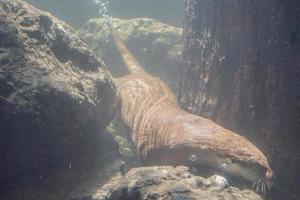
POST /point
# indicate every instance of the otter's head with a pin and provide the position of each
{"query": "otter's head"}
(239, 172)
(259, 176)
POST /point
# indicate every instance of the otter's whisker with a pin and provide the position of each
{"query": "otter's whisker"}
(257, 185)
(268, 184)
(254, 184)
(259, 188)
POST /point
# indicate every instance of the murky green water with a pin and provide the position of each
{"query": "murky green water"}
(69, 75)
(77, 12)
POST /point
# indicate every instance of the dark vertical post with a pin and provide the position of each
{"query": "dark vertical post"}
(241, 68)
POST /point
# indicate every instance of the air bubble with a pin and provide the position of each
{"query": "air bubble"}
(103, 7)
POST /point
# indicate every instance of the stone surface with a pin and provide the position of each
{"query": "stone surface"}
(56, 98)
(121, 136)
(156, 46)
(241, 69)
(168, 183)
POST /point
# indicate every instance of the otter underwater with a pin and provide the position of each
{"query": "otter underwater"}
(165, 134)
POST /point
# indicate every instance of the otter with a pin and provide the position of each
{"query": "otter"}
(165, 134)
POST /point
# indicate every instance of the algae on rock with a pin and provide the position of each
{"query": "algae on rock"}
(56, 97)
(156, 46)
(169, 183)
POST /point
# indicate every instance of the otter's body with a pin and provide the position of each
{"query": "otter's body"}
(159, 127)
(165, 134)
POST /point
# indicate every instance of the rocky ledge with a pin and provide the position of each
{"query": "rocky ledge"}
(56, 98)
(169, 183)
(157, 46)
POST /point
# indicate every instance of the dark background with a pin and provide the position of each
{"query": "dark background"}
(241, 69)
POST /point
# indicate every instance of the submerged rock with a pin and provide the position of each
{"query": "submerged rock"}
(156, 46)
(56, 97)
(166, 182)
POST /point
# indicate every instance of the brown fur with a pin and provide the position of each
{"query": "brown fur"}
(164, 133)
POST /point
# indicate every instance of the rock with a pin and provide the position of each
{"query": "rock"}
(166, 182)
(120, 135)
(56, 97)
(156, 46)
(219, 181)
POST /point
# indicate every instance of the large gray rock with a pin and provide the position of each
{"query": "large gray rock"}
(56, 97)
(156, 46)
(168, 183)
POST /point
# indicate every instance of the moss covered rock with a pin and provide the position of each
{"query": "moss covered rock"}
(56, 97)
(156, 46)
(169, 183)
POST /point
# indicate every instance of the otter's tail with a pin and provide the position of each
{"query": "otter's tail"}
(131, 63)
